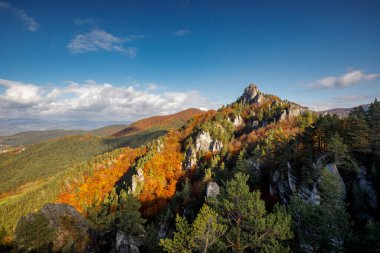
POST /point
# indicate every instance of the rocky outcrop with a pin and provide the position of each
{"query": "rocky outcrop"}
(283, 116)
(284, 184)
(212, 190)
(312, 196)
(137, 182)
(191, 159)
(56, 228)
(126, 244)
(255, 125)
(204, 143)
(291, 179)
(252, 95)
(295, 110)
(366, 188)
(238, 121)
(159, 145)
(331, 167)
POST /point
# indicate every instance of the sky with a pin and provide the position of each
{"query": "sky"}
(125, 60)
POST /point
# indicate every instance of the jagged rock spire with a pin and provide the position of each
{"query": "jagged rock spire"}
(251, 94)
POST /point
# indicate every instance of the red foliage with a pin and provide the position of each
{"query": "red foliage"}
(94, 188)
(161, 174)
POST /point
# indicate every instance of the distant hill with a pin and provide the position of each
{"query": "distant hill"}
(30, 137)
(340, 112)
(107, 130)
(171, 121)
(11, 126)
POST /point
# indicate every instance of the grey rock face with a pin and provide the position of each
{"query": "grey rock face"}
(252, 95)
(126, 244)
(212, 189)
(205, 143)
(295, 110)
(366, 188)
(64, 224)
(238, 121)
(191, 159)
(331, 167)
(312, 197)
(291, 179)
(137, 182)
(283, 116)
(160, 145)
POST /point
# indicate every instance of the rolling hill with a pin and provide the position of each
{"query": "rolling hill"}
(171, 121)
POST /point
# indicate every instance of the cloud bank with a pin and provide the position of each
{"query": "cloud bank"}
(29, 21)
(97, 40)
(350, 78)
(93, 101)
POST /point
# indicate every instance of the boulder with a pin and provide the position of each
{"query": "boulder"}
(55, 228)
(212, 189)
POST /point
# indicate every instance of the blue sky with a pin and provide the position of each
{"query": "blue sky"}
(131, 59)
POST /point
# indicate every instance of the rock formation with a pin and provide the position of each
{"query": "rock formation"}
(56, 228)
(251, 95)
(212, 189)
(191, 158)
(204, 143)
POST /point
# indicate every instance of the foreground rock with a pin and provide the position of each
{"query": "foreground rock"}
(55, 228)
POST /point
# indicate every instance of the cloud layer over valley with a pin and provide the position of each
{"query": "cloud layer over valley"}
(94, 101)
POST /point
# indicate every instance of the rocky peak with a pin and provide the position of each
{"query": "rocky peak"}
(251, 95)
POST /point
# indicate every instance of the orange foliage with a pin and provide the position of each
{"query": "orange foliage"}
(97, 186)
(161, 174)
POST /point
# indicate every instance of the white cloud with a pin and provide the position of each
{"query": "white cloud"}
(97, 40)
(350, 78)
(93, 101)
(20, 93)
(29, 21)
(181, 32)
